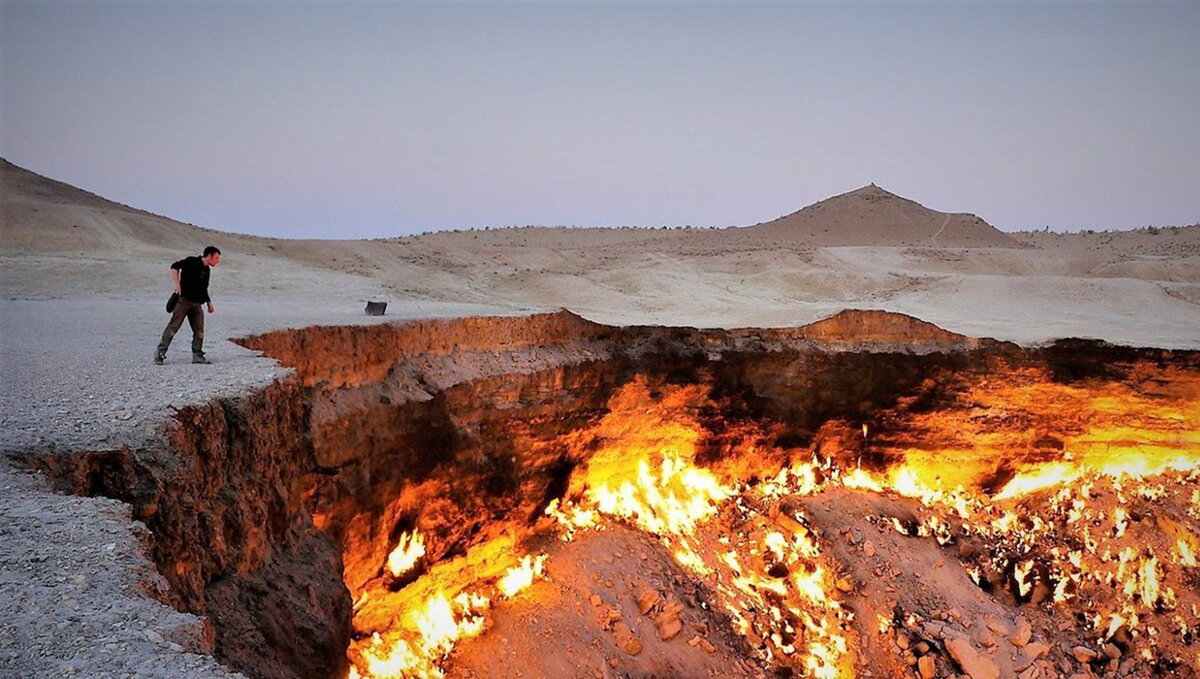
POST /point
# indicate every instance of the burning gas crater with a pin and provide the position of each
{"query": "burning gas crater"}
(1014, 527)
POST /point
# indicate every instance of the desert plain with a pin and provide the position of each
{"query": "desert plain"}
(84, 280)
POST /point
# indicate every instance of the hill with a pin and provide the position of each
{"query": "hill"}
(874, 216)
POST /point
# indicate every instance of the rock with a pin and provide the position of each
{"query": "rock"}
(975, 665)
(1111, 650)
(902, 640)
(1122, 637)
(1022, 634)
(668, 630)
(152, 635)
(1029, 654)
(845, 585)
(646, 598)
(1084, 654)
(869, 548)
(926, 667)
(668, 620)
(1041, 593)
(608, 616)
(626, 640)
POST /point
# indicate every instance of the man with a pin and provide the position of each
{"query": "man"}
(191, 284)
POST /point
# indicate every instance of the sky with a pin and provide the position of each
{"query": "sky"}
(361, 120)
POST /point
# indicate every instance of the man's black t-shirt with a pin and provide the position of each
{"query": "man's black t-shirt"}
(193, 279)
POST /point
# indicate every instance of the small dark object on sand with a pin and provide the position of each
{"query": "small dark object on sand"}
(376, 308)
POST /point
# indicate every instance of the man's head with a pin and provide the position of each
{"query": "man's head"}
(211, 256)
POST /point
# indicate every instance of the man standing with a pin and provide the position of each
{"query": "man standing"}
(191, 284)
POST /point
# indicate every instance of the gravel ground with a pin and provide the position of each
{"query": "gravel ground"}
(76, 586)
(75, 589)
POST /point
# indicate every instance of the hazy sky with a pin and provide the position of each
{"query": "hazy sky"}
(347, 119)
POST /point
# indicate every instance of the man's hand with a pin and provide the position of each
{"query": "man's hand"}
(211, 309)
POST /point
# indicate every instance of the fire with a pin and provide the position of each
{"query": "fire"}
(408, 551)
(522, 575)
(644, 471)
(438, 625)
(1187, 551)
(1063, 490)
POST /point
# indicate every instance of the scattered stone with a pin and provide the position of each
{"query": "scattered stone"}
(668, 630)
(927, 667)
(1022, 634)
(626, 640)
(647, 598)
(1084, 654)
(667, 621)
(970, 660)
(609, 615)
(1029, 655)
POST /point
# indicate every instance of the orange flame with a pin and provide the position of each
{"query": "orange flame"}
(409, 549)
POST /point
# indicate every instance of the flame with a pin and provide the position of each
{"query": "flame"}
(408, 551)
(1061, 514)
(439, 624)
(521, 576)
(644, 471)
(1187, 551)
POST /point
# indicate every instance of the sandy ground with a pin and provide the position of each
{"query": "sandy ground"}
(84, 280)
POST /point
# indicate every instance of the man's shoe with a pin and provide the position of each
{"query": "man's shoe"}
(159, 357)
(200, 358)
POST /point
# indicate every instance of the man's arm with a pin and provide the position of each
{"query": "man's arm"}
(175, 276)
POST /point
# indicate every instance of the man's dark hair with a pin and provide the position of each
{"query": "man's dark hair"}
(211, 250)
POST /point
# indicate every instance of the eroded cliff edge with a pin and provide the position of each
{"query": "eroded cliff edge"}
(267, 509)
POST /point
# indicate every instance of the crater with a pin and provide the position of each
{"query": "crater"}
(869, 494)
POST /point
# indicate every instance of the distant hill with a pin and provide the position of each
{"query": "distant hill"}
(46, 216)
(874, 216)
